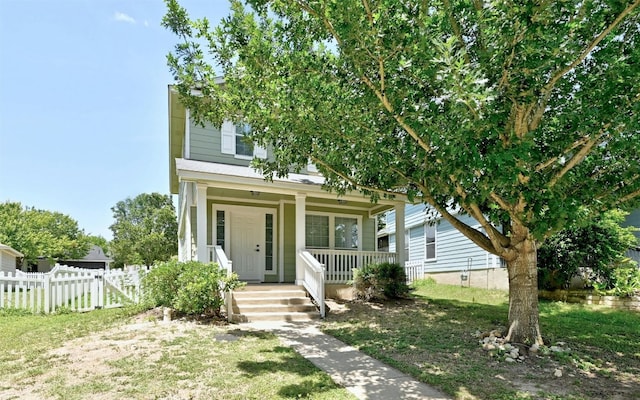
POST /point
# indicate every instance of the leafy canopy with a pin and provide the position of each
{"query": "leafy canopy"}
(41, 233)
(514, 112)
(145, 230)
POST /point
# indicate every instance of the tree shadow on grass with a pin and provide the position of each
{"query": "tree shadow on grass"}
(289, 362)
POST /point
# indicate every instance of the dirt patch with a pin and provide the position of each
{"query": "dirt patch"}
(93, 357)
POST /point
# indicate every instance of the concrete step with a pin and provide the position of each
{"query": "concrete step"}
(250, 301)
(272, 302)
(273, 308)
(272, 316)
(273, 294)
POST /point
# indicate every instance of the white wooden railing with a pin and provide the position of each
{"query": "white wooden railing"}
(313, 278)
(217, 254)
(340, 263)
(414, 270)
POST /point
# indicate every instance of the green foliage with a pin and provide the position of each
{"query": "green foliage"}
(100, 242)
(516, 114)
(592, 250)
(160, 284)
(145, 230)
(376, 281)
(40, 233)
(191, 287)
(622, 279)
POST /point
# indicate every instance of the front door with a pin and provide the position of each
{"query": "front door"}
(247, 243)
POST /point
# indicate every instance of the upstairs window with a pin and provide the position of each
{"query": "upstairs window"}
(243, 147)
(234, 142)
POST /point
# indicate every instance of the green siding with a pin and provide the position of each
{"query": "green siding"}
(205, 144)
(368, 234)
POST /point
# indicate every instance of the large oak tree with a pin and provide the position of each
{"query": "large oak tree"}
(516, 113)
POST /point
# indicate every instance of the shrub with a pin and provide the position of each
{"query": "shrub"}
(160, 284)
(379, 281)
(623, 279)
(192, 287)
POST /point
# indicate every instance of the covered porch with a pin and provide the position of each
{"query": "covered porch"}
(269, 230)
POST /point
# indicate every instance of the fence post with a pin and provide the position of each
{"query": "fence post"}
(46, 286)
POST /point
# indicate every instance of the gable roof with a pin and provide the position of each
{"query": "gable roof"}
(10, 250)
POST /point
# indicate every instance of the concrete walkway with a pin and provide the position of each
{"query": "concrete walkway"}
(365, 377)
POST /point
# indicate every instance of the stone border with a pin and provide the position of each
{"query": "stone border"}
(629, 303)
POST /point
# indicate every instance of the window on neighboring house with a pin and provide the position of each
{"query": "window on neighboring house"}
(430, 241)
(243, 147)
(317, 231)
(346, 236)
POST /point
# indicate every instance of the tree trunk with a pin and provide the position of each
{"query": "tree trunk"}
(524, 324)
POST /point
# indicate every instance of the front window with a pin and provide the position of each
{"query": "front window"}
(317, 231)
(243, 146)
(323, 231)
(346, 233)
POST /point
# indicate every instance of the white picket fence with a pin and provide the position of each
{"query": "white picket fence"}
(76, 289)
(414, 270)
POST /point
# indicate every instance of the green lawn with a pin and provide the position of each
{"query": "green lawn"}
(78, 356)
(432, 337)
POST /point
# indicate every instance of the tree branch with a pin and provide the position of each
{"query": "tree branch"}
(456, 28)
(548, 88)
(578, 157)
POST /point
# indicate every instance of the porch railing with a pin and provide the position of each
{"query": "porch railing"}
(340, 263)
(313, 279)
(217, 255)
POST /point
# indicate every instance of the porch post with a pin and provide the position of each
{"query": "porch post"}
(399, 208)
(300, 234)
(201, 239)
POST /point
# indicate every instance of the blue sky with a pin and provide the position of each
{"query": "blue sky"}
(83, 103)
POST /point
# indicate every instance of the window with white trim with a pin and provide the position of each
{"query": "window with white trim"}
(332, 231)
(243, 147)
(233, 141)
(346, 236)
(317, 231)
(430, 242)
(268, 242)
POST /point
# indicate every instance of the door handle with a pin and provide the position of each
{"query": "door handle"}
(257, 247)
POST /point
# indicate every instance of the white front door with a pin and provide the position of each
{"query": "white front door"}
(247, 243)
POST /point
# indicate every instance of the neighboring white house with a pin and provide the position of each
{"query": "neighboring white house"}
(447, 255)
(9, 258)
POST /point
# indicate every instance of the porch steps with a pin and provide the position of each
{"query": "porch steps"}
(272, 302)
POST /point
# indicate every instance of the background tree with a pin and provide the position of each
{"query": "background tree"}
(597, 245)
(100, 242)
(145, 230)
(40, 233)
(515, 113)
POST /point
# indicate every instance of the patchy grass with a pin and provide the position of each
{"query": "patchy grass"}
(433, 337)
(78, 356)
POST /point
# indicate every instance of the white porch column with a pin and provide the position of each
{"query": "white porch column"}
(399, 208)
(300, 234)
(201, 239)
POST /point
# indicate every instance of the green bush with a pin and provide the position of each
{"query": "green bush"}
(192, 287)
(160, 284)
(380, 281)
(623, 279)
